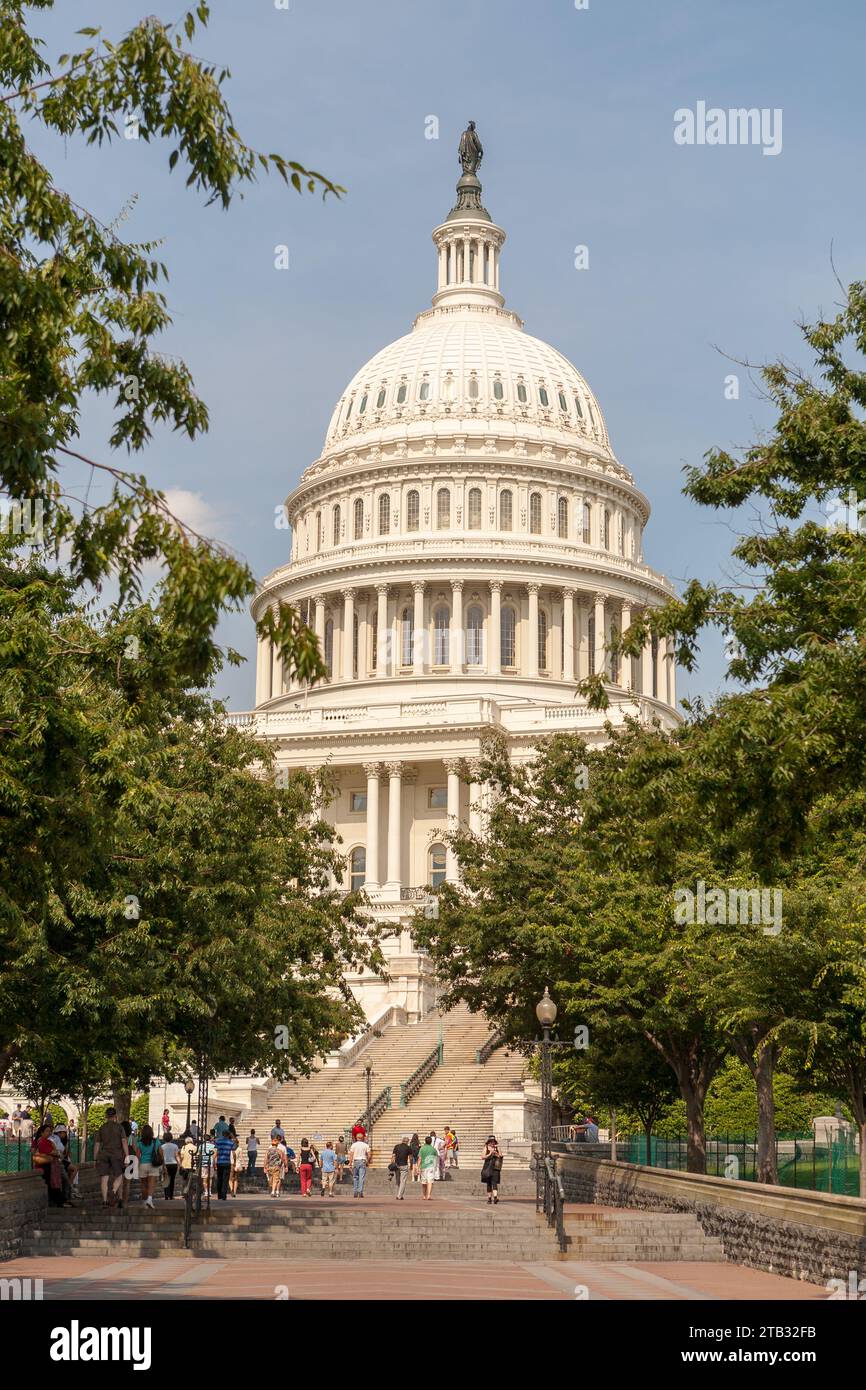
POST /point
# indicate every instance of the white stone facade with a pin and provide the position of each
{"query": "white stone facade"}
(463, 548)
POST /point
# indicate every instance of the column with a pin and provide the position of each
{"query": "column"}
(395, 812)
(442, 271)
(625, 674)
(581, 618)
(475, 803)
(568, 634)
(276, 664)
(532, 643)
(495, 634)
(600, 654)
(465, 276)
(457, 642)
(263, 670)
(348, 670)
(382, 630)
(418, 633)
(371, 877)
(646, 668)
(452, 767)
(672, 672)
(320, 621)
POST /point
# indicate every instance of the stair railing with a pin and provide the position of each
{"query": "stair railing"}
(554, 1202)
(487, 1049)
(378, 1106)
(420, 1074)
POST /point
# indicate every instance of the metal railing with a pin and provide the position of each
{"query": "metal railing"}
(378, 1106)
(803, 1161)
(486, 1050)
(420, 1074)
(16, 1155)
(550, 1198)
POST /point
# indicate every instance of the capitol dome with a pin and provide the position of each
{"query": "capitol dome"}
(465, 547)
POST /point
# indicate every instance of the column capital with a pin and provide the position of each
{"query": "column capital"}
(349, 593)
(453, 766)
(382, 588)
(568, 592)
(495, 585)
(457, 584)
(372, 770)
(419, 585)
(599, 598)
(533, 588)
(318, 598)
(407, 772)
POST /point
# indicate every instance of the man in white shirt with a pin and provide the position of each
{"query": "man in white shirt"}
(359, 1157)
(439, 1145)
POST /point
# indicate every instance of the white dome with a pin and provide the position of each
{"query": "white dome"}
(468, 363)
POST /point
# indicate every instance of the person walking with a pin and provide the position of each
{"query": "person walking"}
(451, 1146)
(220, 1127)
(329, 1169)
(429, 1160)
(252, 1151)
(170, 1154)
(359, 1154)
(187, 1162)
(45, 1157)
(110, 1150)
(275, 1166)
(224, 1148)
(358, 1131)
(166, 1123)
(439, 1144)
(401, 1155)
(491, 1168)
(278, 1132)
(414, 1151)
(342, 1158)
(308, 1157)
(149, 1153)
(233, 1175)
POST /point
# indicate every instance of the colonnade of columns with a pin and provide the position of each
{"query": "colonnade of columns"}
(391, 777)
(462, 625)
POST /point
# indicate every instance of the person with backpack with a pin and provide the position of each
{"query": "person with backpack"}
(275, 1165)
(429, 1161)
(414, 1164)
(150, 1161)
(308, 1159)
(491, 1168)
(224, 1146)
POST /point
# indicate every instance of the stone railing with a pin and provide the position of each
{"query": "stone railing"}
(815, 1236)
(346, 1055)
(24, 1200)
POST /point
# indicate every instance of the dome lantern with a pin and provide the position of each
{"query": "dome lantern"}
(468, 242)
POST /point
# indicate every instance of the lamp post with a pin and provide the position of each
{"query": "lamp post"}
(189, 1087)
(545, 1012)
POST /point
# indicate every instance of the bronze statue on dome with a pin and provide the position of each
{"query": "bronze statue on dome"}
(470, 151)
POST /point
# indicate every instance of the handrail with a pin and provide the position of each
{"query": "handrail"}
(554, 1202)
(378, 1106)
(486, 1050)
(420, 1074)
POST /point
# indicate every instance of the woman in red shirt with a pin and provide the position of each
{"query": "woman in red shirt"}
(46, 1158)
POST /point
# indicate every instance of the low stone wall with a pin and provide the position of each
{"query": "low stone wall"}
(23, 1202)
(814, 1236)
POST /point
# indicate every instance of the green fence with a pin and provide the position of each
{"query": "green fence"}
(15, 1153)
(803, 1161)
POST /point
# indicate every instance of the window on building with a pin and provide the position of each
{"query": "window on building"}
(542, 640)
(441, 636)
(357, 868)
(357, 801)
(563, 404)
(407, 620)
(535, 513)
(591, 414)
(473, 509)
(587, 524)
(401, 393)
(318, 531)
(335, 525)
(606, 530)
(543, 397)
(384, 514)
(449, 388)
(437, 798)
(473, 388)
(437, 865)
(521, 393)
(424, 392)
(349, 407)
(380, 399)
(475, 636)
(359, 519)
(329, 646)
(498, 390)
(363, 406)
(507, 637)
(413, 510)
(443, 509)
(578, 407)
(506, 510)
(562, 518)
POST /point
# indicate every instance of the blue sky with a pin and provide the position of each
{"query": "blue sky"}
(693, 251)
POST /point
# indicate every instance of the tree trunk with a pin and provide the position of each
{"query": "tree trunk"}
(8, 1054)
(861, 1130)
(648, 1132)
(696, 1160)
(767, 1167)
(121, 1096)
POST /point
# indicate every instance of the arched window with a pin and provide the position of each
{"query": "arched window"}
(407, 622)
(498, 390)
(401, 393)
(521, 393)
(363, 406)
(578, 407)
(329, 645)
(562, 518)
(473, 388)
(349, 408)
(563, 403)
(413, 510)
(443, 509)
(424, 392)
(506, 510)
(359, 519)
(543, 397)
(587, 524)
(384, 514)
(355, 629)
(357, 868)
(441, 636)
(542, 640)
(449, 388)
(380, 399)
(335, 525)
(473, 509)
(535, 513)
(436, 860)
(606, 537)
(475, 636)
(507, 636)
(591, 414)
(318, 531)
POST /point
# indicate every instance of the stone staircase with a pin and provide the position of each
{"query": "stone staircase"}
(457, 1093)
(619, 1234)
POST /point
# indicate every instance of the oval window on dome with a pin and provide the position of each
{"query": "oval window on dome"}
(591, 414)
(401, 393)
(521, 393)
(563, 403)
(578, 407)
(349, 407)
(543, 397)
(498, 390)
(363, 406)
(473, 388)
(424, 393)
(448, 388)
(380, 399)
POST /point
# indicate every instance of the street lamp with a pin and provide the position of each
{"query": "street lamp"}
(189, 1087)
(545, 1012)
